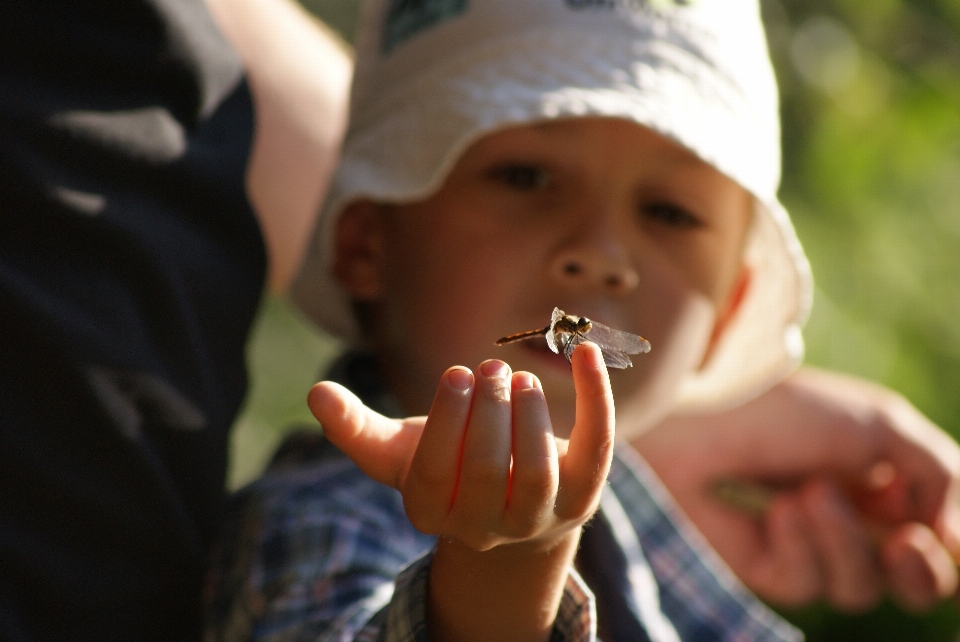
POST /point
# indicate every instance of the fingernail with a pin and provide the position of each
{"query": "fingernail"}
(525, 381)
(460, 378)
(594, 356)
(494, 368)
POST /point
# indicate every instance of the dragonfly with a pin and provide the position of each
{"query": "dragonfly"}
(567, 331)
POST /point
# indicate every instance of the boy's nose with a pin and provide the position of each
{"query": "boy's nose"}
(605, 266)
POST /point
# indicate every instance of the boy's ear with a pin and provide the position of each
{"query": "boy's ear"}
(729, 310)
(358, 251)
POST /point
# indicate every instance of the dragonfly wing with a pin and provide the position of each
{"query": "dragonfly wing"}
(615, 358)
(617, 340)
(551, 333)
(555, 316)
(553, 343)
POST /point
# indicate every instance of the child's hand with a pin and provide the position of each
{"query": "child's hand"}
(485, 473)
(484, 466)
(871, 498)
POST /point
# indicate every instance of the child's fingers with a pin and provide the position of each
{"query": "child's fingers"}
(535, 476)
(584, 468)
(380, 447)
(485, 467)
(431, 481)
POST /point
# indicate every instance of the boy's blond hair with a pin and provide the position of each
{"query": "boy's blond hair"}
(434, 76)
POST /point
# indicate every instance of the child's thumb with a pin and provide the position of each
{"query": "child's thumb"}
(365, 436)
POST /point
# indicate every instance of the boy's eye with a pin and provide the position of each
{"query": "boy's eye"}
(671, 215)
(522, 177)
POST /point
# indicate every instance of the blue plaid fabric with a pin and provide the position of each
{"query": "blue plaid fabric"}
(315, 550)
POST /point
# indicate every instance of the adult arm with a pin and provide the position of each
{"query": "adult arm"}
(299, 73)
(867, 499)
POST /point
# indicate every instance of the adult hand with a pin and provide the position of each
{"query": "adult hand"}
(866, 492)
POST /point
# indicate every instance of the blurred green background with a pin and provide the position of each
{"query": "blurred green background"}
(871, 134)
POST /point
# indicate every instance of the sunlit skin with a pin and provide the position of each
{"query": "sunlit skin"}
(599, 217)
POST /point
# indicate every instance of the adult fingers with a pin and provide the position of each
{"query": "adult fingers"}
(787, 572)
(584, 468)
(849, 559)
(848, 425)
(927, 457)
(535, 477)
(431, 482)
(920, 570)
(947, 528)
(481, 491)
(381, 447)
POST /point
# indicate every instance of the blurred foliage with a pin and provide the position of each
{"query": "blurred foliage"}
(871, 133)
(285, 357)
(871, 136)
(342, 15)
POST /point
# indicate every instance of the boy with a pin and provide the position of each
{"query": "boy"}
(617, 160)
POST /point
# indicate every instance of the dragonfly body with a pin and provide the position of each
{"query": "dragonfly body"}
(567, 331)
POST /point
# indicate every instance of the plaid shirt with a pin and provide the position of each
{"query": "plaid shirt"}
(316, 550)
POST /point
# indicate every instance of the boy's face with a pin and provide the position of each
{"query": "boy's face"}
(599, 217)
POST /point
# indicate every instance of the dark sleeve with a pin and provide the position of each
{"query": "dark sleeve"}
(130, 269)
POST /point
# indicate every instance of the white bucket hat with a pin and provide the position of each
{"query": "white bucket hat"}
(433, 76)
